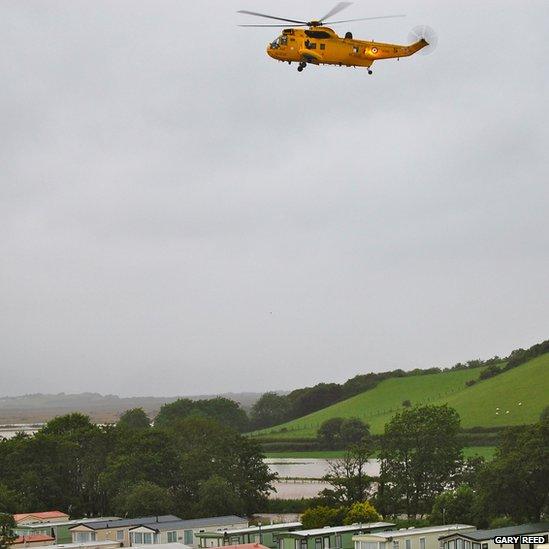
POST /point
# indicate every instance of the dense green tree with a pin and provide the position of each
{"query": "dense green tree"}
(59, 466)
(134, 419)
(420, 454)
(310, 399)
(7, 527)
(270, 409)
(217, 497)
(74, 465)
(460, 506)
(147, 456)
(144, 499)
(516, 482)
(470, 472)
(338, 432)
(354, 431)
(9, 500)
(208, 448)
(329, 432)
(70, 424)
(361, 513)
(221, 409)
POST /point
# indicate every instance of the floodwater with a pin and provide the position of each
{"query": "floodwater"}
(310, 468)
(302, 477)
(9, 431)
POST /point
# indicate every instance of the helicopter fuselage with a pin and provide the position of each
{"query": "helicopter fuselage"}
(321, 45)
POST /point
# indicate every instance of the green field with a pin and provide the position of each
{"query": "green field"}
(521, 394)
(487, 452)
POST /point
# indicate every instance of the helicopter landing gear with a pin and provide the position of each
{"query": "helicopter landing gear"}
(301, 66)
(370, 71)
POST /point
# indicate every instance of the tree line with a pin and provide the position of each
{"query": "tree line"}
(516, 358)
(187, 465)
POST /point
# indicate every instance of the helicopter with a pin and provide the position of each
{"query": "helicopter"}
(320, 45)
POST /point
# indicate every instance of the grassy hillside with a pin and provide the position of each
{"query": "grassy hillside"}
(528, 384)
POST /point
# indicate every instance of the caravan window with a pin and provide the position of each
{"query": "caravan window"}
(83, 537)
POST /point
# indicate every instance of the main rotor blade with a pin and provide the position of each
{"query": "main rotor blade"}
(277, 26)
(340, 6)
(361, 19)
(271, 17)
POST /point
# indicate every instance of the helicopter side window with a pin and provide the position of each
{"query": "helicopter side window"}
(283, 40)
(310, 45)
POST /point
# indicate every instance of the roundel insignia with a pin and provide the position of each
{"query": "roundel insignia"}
(374, 50)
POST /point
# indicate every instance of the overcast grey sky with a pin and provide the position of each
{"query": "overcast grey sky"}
(181, 214)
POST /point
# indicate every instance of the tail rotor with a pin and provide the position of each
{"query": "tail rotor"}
(423, 32)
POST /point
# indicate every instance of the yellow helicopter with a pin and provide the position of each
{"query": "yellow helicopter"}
(320, 45)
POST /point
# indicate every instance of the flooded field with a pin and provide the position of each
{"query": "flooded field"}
(9, 431)
(302, 477)
(309, 468)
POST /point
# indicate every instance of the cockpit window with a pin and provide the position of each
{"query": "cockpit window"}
(280, 41)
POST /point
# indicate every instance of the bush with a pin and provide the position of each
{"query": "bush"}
(283, 506)
(489, 372)
(501, 522)
(287, 446)
(361, 513)
(318, 517)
